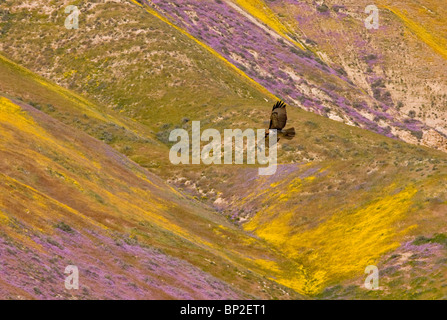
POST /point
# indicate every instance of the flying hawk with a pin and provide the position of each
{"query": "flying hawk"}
(278, 121)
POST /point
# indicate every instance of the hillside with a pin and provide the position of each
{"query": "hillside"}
(319, 58)
(85, 117)
(68, 199)
(401, 65)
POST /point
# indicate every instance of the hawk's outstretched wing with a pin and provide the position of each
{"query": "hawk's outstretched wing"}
(278, 119)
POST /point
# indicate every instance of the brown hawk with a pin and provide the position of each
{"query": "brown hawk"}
(278, 121)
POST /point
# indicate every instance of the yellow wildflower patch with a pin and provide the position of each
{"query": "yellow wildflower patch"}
(272, 266)
(435, 42)
(259, 10)
(338, 247)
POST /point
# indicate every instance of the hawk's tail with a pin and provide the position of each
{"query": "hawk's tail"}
(288, 133)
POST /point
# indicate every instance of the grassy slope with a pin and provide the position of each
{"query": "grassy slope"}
(157, 75)
(362, 172)
(362, 197)
(70, 199)
(81, 59)
(100, 122)
(409, 51)
(432, 28)
(74, 110)
(269, 52)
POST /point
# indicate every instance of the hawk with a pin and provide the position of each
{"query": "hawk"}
(278, 121)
